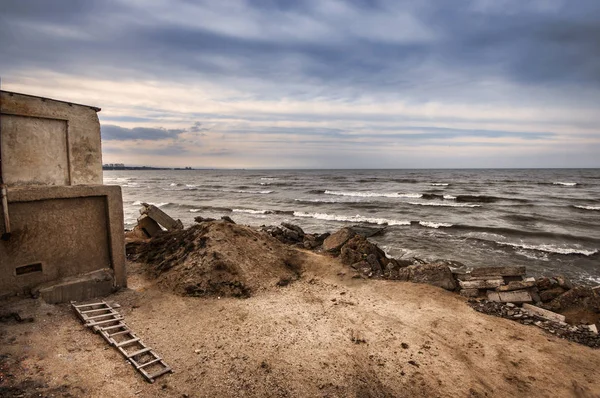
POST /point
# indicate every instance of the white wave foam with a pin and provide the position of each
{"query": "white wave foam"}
(550, 248)
(439, 184)
(250, 211)
(434, 224)
(191, 185)
(374, 194)
(566, 184)
(268, 178)
(172, 184)
(319, 200)
(588, 207)
(442, 204)
(195, 210)
(356, 218)
(139, 203)
(449, 197)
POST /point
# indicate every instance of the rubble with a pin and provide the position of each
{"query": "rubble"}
(581, 334)
(152, 220)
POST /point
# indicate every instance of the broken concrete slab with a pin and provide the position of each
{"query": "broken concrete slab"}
(149, 227)
(498, 271)
(517, 296)
(542, 313)
(481, 283)
(515, 285)
(469, 292)
(161, 217)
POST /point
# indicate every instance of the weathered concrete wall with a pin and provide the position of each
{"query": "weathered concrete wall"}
(49, 142)
(62, 232)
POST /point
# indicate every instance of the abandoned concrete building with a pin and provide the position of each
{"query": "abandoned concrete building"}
(62, 229)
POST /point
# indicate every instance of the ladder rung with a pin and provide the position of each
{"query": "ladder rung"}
(120, 325)
(160, 373)
(123, 343)
(119, 333)
(143, 365)
(87, 318)
(96, 310)
(89, 305)
(143, 350)
(103, 322)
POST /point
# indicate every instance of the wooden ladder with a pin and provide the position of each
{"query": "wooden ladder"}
(103, 319)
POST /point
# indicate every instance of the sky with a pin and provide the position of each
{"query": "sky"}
(319, 83)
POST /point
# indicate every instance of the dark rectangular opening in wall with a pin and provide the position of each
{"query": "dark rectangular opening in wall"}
(29, 268)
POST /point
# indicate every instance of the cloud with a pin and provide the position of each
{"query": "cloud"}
(111, 132)
(369, 73)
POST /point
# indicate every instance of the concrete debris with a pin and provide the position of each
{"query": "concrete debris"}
(148, 227)
(161, 217)
(582, 334)
(516, 296)
(498, 271)
(542, 313)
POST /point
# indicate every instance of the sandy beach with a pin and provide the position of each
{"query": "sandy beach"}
(327, 334)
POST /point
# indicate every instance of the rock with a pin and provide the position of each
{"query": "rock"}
(564, 282)
(200, 219)
(579, 296)
(546, 283)
(432, 274)
(349, 256)
(293, 227)
(227, 219)
(148, 226)
(374, 263)
(551, 294)
(334, 242)
(292, 235)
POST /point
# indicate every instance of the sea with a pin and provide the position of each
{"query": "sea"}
(545, 219)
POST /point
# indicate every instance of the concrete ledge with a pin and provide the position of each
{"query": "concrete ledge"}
(95, 284)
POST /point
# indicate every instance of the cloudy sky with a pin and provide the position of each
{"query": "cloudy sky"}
(319, 83)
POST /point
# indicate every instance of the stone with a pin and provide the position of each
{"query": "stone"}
(200, 219)
(542, 313)
(349, 256)
(481, 284)
(546, 283)
(291, 235)
(579, 296)
(564, 282)
(498, 271)
(515, 285)
(227, 219)
(593, 328)
(293, 227)
(334, 242)
(517, 296)
(374, 263)
(551, 294)
(432, 274)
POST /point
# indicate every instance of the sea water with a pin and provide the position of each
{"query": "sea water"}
(545, 219)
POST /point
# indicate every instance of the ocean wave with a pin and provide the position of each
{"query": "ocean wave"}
(161, 204)
(439, 184)
(245, 191)
(252, 211)
(443, 204)
(566, 184)
(487, 199)
(430, 224)
(549, 248)
(357, 218)
(173, 184)
(404, 180)
(373, 194)
(587, 207)
(269, 179)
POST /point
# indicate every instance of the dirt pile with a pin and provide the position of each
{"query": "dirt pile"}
(216, 258)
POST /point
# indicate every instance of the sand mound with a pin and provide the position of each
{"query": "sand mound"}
(216, 259)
